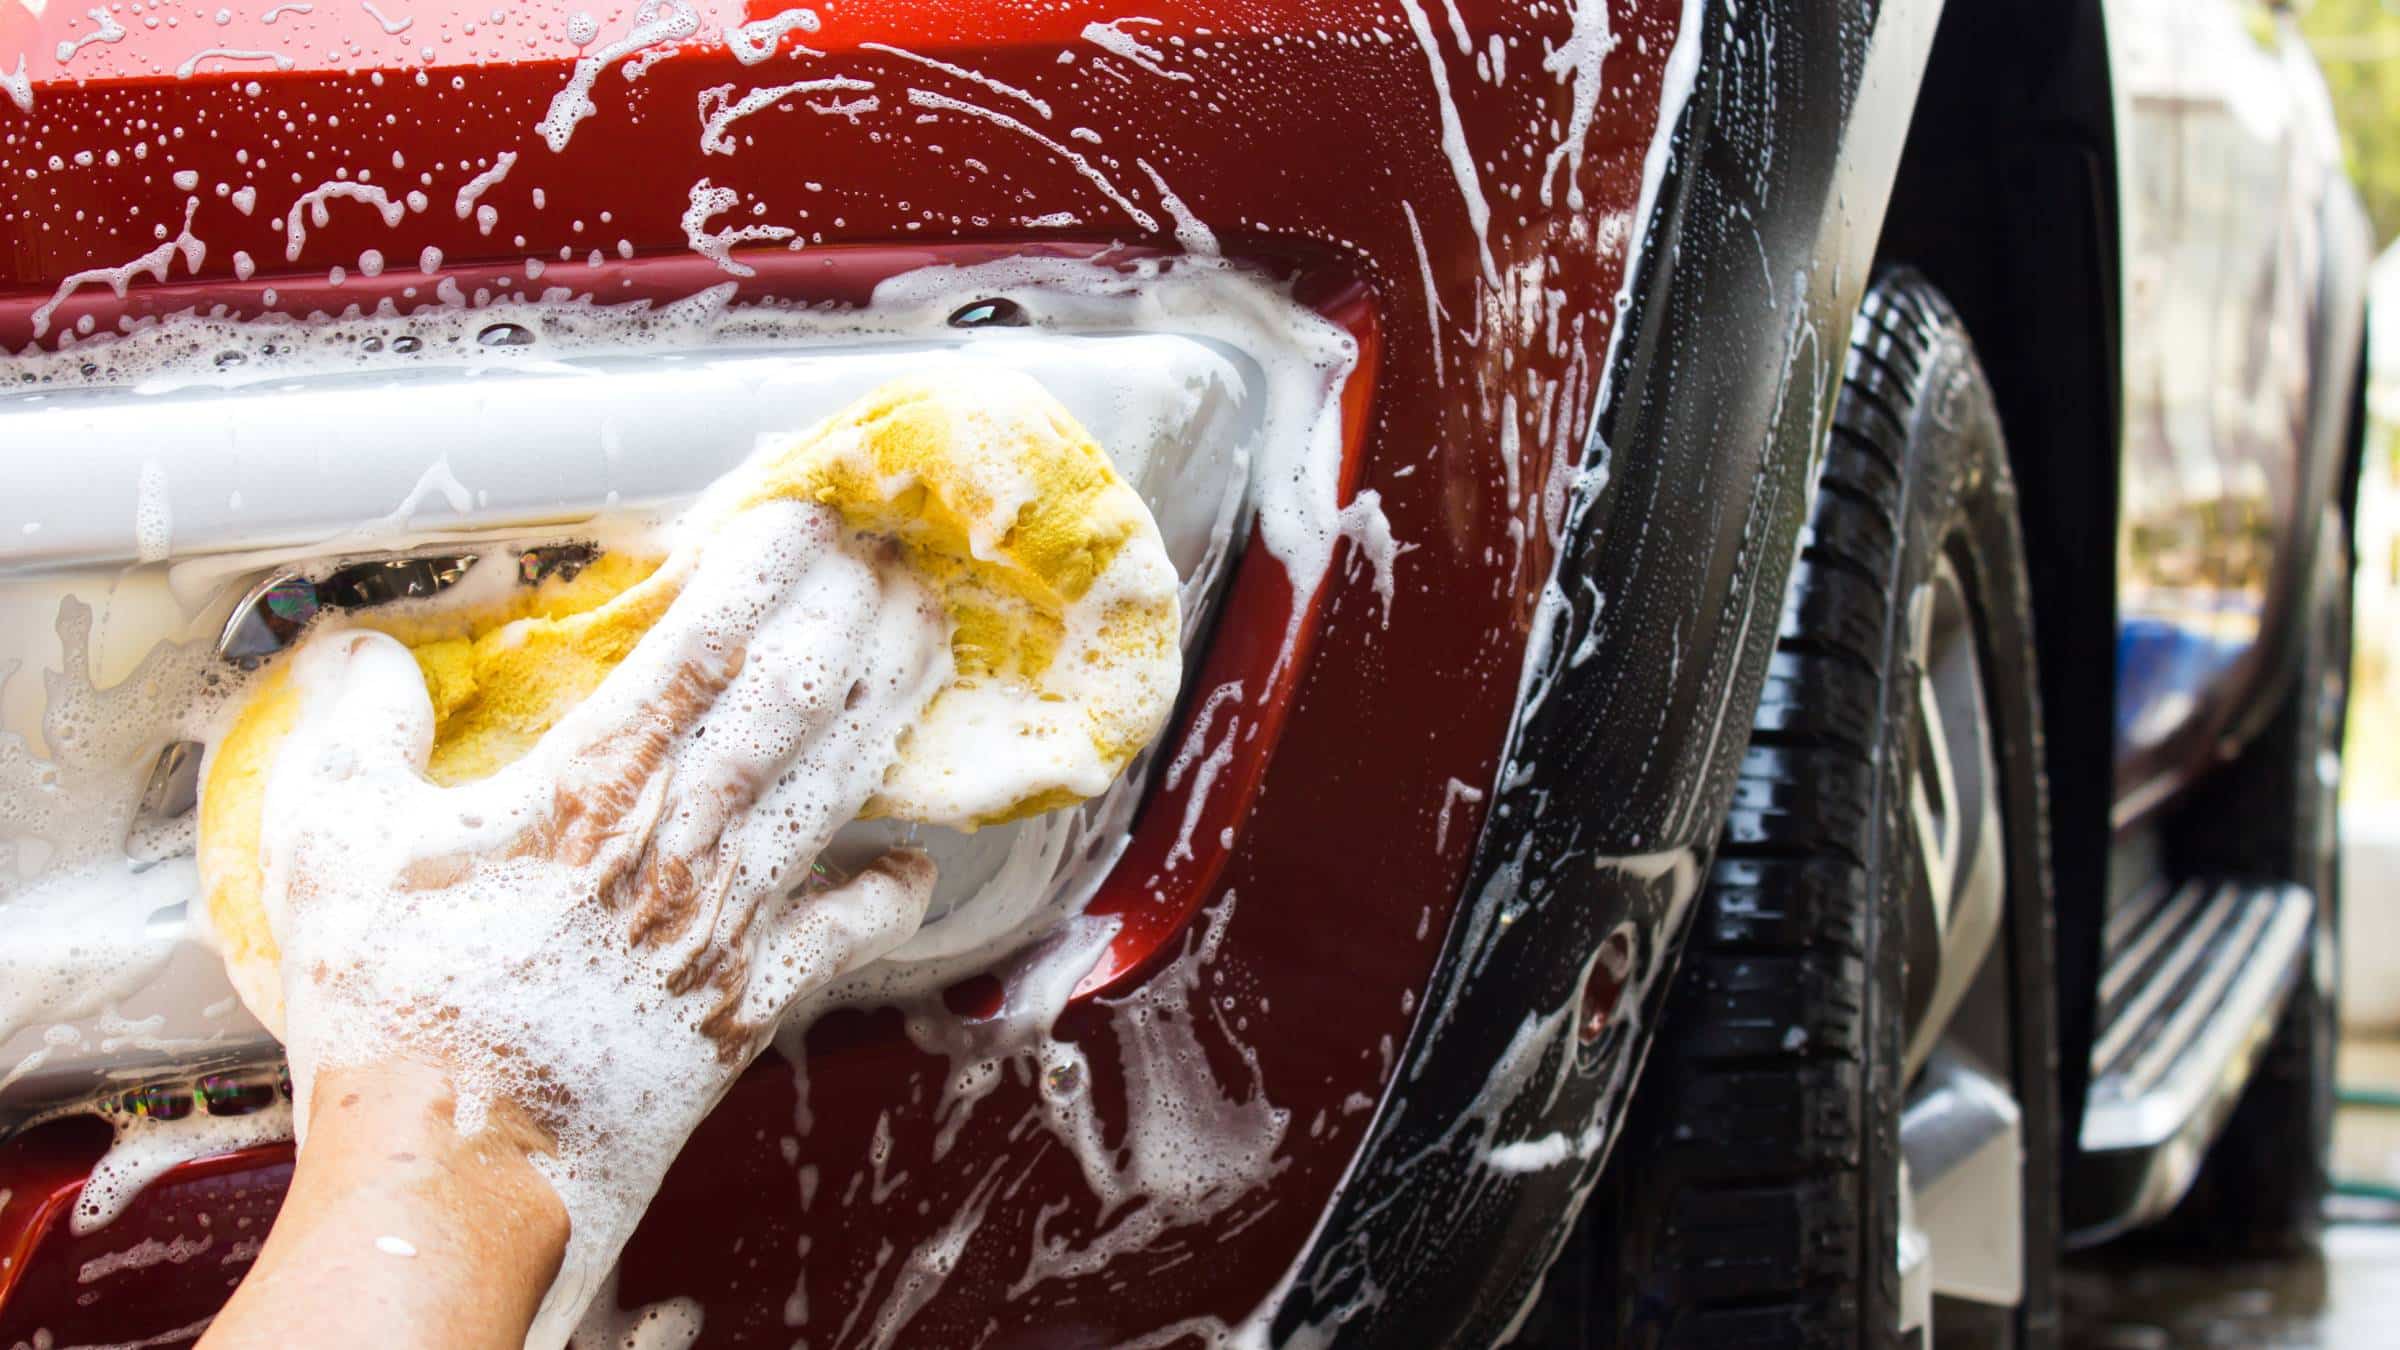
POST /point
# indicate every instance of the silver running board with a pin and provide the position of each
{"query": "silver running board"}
(2193, 979)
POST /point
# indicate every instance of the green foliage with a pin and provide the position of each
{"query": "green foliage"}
(2357, 42)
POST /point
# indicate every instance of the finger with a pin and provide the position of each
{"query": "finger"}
(773, 748)
(670, 679)
(595, 777)
(792, 684)
(900, 659)
(819, 937)
(350, 772)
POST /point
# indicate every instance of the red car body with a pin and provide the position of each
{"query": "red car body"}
(1289, 957)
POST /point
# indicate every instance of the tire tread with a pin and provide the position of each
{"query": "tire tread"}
(1766, 1033)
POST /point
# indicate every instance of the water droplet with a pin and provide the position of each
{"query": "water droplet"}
(373, 344)
(1063, 1079)
(993, 313)
(505, 335)
(228, 360)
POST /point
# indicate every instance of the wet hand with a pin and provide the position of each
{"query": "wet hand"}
(605, 932)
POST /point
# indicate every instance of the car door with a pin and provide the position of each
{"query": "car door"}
(2227, 156)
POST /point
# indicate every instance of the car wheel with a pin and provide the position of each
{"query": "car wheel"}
(1850, 1108)
(2274, 814)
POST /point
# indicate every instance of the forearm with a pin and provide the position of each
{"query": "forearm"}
(397, 1232)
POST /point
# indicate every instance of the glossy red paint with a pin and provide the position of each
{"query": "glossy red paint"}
(1310, 140)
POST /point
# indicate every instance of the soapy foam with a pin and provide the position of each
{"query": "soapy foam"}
(754, 42)
(653, 24)
(1454, 140)
(1050, 864)
(145, 1148)
(483, 182)
(156, 263)
(717, 246)
(142, 1256)
(18, 86)
(719, 110)
(80, 940)
(192, 64)
(1002, 87)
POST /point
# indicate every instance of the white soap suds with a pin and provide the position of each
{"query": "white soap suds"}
(1435, 315)
(717, 246)
(316, 203)
(146, 1147)
(1209, 761)
(1362, 522)
(1195, 237)
(156, 263)
(1534, 1155)
(153, 516)
(1112, 38)
(391, 27)
(1579, 56)
(141, 1256)
(926, 98)
(18, 87)
(192, 65)
(1453, 792)
(754, 42)
(653, 23)
(1454, 140)
(1002, 87)
(109, 30)
(842, 653)
(472, 192)
(719, 110)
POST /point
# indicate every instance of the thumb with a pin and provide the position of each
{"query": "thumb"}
(364, 711)
(346, 772)
(820, 937)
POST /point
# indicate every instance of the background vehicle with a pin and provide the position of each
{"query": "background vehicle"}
(1693, 350)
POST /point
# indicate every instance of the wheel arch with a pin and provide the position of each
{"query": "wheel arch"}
(1648, 659)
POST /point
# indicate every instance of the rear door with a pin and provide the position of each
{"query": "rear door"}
(2226, 158)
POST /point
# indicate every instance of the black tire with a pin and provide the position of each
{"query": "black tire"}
(2272, 814)
(1752, 1199)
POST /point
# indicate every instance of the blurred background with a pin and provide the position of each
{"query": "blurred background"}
(2350, 1297)
(2357, 43)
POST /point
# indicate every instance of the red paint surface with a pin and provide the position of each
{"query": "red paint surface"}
(1301, 134)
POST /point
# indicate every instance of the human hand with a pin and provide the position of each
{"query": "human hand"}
(603, 934)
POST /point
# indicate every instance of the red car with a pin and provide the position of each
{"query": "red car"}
(1674, 497)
